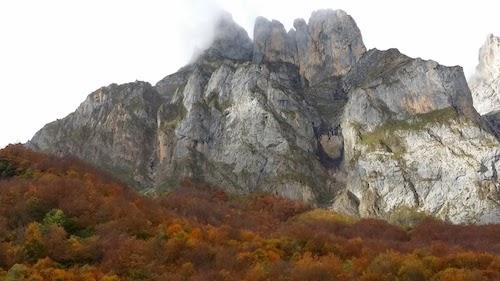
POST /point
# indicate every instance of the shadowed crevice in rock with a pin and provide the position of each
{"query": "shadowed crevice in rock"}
(493, 119)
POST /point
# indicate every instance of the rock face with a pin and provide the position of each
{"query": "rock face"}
(328, 46)
(114, 127)
(493, 118)
(485, 83)
(414, 140)
(306, 114)
(230, 41)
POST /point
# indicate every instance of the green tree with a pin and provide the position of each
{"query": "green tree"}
(6, 169)
(34, 248)
(56, 217)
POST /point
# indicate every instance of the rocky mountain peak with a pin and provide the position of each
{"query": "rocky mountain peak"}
(485, 82)
(446, 87)
(329, 45)
(489, 55)
(272, 43)
(230, 41)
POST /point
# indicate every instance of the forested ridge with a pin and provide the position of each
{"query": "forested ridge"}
(61, 219)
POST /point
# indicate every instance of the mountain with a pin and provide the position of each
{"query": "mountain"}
(307, 114)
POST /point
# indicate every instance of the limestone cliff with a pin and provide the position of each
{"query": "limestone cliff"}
(413, 139)
(307, 114)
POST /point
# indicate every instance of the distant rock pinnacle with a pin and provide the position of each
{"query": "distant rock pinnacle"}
(485, 83)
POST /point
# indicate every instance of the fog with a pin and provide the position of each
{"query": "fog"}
(53, 53)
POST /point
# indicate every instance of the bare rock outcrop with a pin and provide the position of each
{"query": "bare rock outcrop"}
(114, 127)
(413, 140)
(485, 82)
(329, 45)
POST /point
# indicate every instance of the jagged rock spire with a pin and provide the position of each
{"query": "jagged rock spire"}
(272, 43)
(485, 83)
(230, 41)
(329, 45)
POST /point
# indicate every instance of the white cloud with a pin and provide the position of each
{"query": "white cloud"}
(55, 52)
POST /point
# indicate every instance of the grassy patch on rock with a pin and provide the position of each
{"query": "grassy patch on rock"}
(386, 135)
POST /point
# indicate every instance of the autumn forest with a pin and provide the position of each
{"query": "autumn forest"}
(61, 219)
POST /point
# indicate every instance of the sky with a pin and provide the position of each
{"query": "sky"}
(53, 53)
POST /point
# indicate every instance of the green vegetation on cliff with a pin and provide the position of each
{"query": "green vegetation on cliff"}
(386, 135)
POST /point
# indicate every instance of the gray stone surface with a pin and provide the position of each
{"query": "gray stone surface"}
(230, 41)
(114, 127)
(413, 139)
(329, 45)
(485, 82)
(493, 118)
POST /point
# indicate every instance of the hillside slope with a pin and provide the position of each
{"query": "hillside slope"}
(61, 219)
